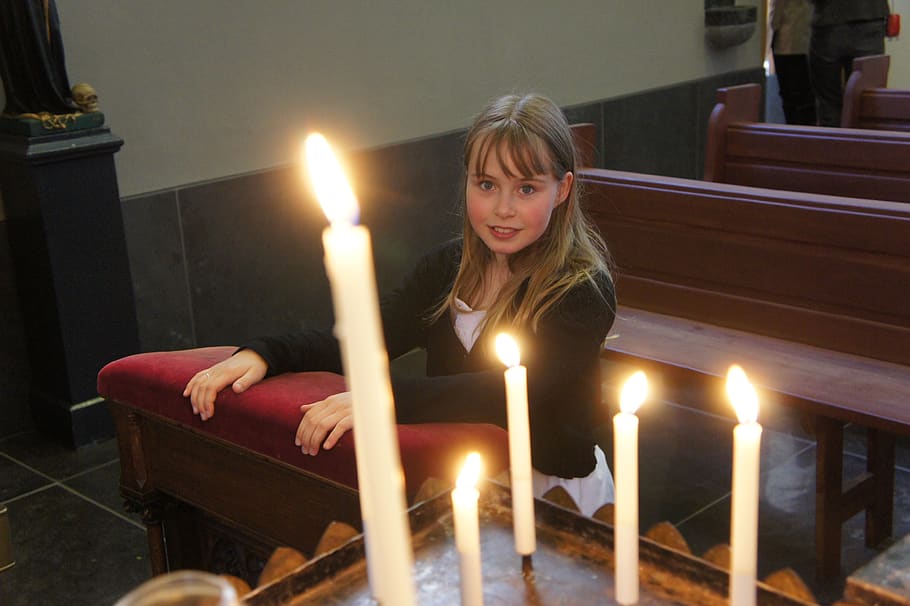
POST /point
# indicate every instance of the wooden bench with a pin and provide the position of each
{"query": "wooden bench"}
(869, 103)
(860, 163)
(222, 494)
(809, 293)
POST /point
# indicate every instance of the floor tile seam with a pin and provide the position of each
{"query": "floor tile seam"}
(766, 469)
(89, 470)
(52, 478)
(702, 510)
(13, 436)
(699, 411)
(27, 466)
(807, 448)
(863, 458)
(102, 506)
(76, 493)
(32, 492)
(714, 415)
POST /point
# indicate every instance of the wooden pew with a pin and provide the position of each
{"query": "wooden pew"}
(221, 495)
(809, 293)
(869, 103)
(858, 163)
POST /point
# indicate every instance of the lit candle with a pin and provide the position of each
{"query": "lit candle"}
(519, 445)
(467, 531)
(744, 506)
(625, 461)
(349, 265)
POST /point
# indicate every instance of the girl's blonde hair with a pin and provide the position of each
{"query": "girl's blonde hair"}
(531, 134)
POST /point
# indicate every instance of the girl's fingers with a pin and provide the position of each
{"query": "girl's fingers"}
(308, 426)
(323, 423)
(241, 371)
(343, 426)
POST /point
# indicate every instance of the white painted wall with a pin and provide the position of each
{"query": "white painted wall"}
(201, 89)
(899, 48)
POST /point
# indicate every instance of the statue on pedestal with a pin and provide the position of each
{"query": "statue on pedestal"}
(33, 70)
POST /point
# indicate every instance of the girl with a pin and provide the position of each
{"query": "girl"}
(528, 263)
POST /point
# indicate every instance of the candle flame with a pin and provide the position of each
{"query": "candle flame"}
(335, 196)
(633, 393)
(507, 350)
(470, 472)
(742, 395)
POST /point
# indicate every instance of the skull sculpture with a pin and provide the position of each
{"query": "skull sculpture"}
(85, 97)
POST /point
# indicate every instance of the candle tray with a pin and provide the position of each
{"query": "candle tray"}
(573, 564)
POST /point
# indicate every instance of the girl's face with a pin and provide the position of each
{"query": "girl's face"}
(511, 213)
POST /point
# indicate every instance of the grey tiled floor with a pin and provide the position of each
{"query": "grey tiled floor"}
(73, 543)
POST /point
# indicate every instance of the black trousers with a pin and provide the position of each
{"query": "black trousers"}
(795, 86)
(831, 53)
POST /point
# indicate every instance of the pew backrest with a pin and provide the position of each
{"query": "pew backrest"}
(832, 272)
(869, 103)
(584, 135)
(859, 163)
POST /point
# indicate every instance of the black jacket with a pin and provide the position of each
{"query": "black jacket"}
(562, 360)
(841, 12)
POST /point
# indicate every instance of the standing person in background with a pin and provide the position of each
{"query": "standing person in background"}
(790, 24)
(841, 31)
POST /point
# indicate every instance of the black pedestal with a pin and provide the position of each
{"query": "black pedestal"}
(72, 272)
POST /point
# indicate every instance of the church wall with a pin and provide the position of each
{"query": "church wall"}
(212, 100)
(899, 72)
(206, 89)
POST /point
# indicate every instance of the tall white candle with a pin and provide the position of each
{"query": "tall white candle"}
(516, 377)
(349, 264)
(625, 462)
(744, 506)
(467, 531)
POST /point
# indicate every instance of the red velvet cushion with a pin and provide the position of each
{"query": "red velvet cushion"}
(265, 417)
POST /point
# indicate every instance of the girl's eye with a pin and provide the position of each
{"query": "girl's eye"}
(486, 185)
(526, 190)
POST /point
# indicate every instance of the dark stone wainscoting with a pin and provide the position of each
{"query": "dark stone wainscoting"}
(220, 262)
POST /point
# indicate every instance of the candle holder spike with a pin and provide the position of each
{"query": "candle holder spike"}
(787, 581)
(282, 561)
(560, 496)
(719, 555)
(334, 536)
(668, 535)
(606, 513)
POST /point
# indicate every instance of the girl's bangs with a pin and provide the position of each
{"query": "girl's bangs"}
(514, 148)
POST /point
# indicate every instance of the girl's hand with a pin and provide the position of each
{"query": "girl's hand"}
(241, 371)
(324, 423)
